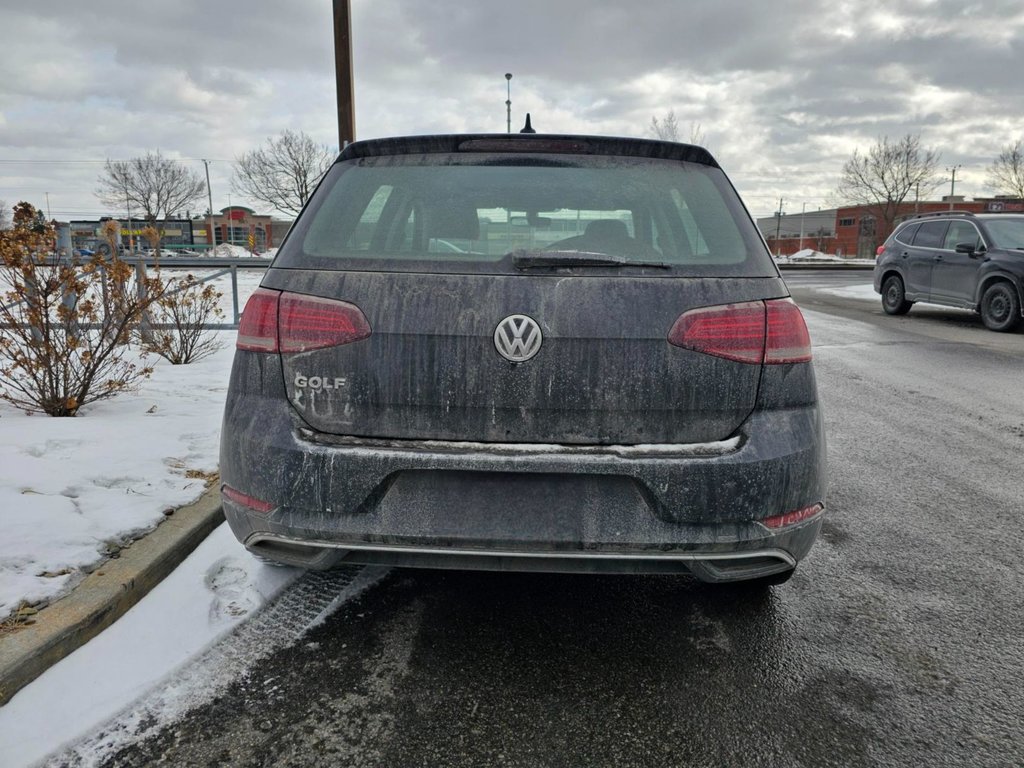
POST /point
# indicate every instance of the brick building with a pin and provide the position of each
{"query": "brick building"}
(235, 224)
(856, 231)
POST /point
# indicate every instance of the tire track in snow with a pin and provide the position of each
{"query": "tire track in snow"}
(307, 603)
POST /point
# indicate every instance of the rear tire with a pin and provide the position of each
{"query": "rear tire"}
(894, 297)
(1000, 307)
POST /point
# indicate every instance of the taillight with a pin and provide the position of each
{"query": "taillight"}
(788, 340)
(770, 332)
(245, 500)
(732, 331)
(290, 322)
(792, 518)
(257, 332)
(880, 250)
(310, 322)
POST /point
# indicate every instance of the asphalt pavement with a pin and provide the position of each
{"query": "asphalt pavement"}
(897, 643)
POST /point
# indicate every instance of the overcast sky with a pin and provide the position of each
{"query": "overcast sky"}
(784, 91)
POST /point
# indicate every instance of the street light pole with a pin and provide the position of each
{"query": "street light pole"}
(508, 102)
(778, 227)
(209, 196)
(952, 184)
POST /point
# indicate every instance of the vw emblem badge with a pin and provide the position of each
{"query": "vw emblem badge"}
(518, 338)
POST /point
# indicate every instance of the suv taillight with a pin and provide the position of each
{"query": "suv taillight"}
(275, 321)
(770, 332)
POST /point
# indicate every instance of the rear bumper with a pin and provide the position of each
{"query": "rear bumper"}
(553, 508)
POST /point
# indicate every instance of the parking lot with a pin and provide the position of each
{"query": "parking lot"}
(896, 643)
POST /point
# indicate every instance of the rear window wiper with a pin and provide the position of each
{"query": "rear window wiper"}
(523, 259)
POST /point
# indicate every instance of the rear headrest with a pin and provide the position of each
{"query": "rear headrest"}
(449, 218)
(607, 229)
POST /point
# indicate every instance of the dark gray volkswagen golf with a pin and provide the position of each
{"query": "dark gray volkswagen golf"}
(525, 352)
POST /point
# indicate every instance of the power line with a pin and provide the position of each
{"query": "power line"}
(113, 160)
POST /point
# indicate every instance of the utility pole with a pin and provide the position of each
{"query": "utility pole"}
(131, 234)
(343, 72)
(209, 196)
(508, 102)
(803, 211)
(778, 227)
(952, 184)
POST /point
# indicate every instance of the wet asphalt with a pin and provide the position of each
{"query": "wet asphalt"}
(900, 641)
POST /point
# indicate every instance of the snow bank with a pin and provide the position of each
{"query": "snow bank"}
(74, 490)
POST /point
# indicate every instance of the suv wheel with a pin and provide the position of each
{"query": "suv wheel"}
(1000, 307)
(894, 299)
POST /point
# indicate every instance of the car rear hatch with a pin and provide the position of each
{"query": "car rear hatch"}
(422, 255)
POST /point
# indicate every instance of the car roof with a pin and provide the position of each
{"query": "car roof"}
(546, 143)
(987, 216)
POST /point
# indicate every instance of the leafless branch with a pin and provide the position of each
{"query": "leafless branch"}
(284, 172)
(157, 186)
(884, 176)
(1006, 174)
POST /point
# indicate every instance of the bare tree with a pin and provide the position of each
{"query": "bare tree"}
(883, 177)
(284, 172)
(156, 186)
(1006, 174)
(5, 217)
(667, 129)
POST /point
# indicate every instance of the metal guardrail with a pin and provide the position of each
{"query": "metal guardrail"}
(228, 266)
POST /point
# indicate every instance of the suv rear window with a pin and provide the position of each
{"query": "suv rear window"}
(470, 211)
(931, 234)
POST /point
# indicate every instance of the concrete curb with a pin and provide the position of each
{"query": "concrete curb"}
(105, 595)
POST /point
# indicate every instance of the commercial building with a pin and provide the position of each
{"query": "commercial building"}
(236, 225)
(856, 231)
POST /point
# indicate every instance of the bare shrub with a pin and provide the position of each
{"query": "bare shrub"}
(64, 323)
(186, 306)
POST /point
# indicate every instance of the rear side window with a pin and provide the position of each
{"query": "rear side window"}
(459, 212)
(931, 234)
(906, 235)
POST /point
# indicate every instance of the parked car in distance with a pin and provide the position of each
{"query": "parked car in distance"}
(600, 369)
(956, 259)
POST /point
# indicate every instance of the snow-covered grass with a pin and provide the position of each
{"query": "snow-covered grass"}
(73, 490)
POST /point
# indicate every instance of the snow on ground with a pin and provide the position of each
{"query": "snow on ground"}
(229, 251)
(213, 591)
(200, 629)
(808, 255)
(865, 292)
(74, 489)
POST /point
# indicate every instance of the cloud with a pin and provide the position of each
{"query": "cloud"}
(783, 91)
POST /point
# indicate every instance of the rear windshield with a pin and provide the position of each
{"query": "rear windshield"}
(472, 212)
(1007, 233)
